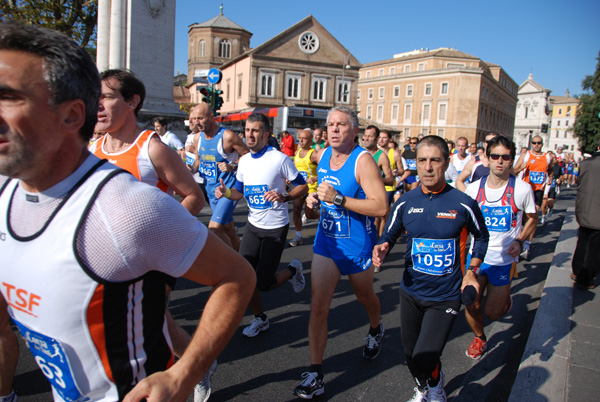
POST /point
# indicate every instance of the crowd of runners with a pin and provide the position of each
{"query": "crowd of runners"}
(81, 210)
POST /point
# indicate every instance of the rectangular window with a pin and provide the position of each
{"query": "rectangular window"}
(380, 73)
(369, 112)
(381, 93)
(380, 113)
(559, 111)
(556, 133)
(392, 70)
(441, 133)
(425, 131)
(421, 67)
(358, 95)
(558, 123)
(396, 91)
(565, 134)
(572, 146)
(370, 96)
(319, 89)
(227, 91)
(442, 111)
(407, 112)
(407, 68)
(294, 86)
(409, 90)
(454, 65)
(394, 113)
(267, 84)
(444, 88)
(426, 110)
(368, 75)
(343, 91)
(427, 89)
(239, 92)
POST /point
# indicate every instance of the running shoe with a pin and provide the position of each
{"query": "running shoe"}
(373, 345)
(549, 214)
(12, 397)
(203, 389)
(419, 396)
(257, 326)
(525, 251)
(296, 241)
(542, 220)
(298, 281)
(305, 220)
(311, 386)
(437, 393)
(476, 348)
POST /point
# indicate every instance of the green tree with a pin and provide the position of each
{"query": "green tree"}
(75, 18)
(587, 124)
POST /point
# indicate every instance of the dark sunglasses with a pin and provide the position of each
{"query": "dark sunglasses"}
(536, 142)
(495, 157)
(414, 143)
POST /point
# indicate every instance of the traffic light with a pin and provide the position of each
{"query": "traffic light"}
(218, 101)
(544, 128)
(207, 95)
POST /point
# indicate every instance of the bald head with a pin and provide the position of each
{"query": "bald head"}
(305, 139)
(202, 118)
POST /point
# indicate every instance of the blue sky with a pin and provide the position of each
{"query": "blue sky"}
(558, 41)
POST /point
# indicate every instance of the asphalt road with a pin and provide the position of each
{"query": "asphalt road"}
(268, 367)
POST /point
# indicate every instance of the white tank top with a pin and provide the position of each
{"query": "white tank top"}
(88, 336)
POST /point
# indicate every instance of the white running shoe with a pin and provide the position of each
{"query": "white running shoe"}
(437, 393)
(257, 326)
(305, 220)
(418, 396)
(298, 281)
(203, 389)
(296, 241)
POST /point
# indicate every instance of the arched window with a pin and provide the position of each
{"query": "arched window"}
(225, 49)
(201, 48)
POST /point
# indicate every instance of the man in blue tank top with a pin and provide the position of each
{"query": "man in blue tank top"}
(351, 195)
(217, 155)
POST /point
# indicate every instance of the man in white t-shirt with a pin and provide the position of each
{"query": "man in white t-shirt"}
(167, 137)
(503, 200)
(460, 158)
(261, 178)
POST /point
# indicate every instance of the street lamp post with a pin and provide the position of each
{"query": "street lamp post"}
(343, 91)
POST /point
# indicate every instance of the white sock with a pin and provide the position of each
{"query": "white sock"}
(298, 233)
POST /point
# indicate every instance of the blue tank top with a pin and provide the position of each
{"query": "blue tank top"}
(210, 153)
(344, 231)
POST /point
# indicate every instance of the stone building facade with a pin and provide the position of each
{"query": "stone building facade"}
(564, 112)
(533, 111)
(442, 91)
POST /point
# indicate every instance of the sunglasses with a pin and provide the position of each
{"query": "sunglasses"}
(504, 157)
(415, 143)
(536, 142)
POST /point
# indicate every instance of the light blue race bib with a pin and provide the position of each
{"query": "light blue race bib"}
(52, 360)
(255, 196)
(497, 219)
(209, 170)
(537, 177)
(335, 222)
(411, 164)
(433, 256)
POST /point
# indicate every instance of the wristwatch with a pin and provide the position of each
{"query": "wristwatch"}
(338, 200)
(286, 196)
(475, 269)
(234, 166)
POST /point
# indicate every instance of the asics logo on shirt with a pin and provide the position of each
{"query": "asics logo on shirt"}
(321, 170)
(414, 210)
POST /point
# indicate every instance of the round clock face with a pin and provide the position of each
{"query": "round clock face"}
(308, 42)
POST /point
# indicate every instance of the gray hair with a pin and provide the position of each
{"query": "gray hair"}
(68, 69)
(348, 112)
(434, 141)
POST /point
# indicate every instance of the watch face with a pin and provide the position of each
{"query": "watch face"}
(338, 199)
